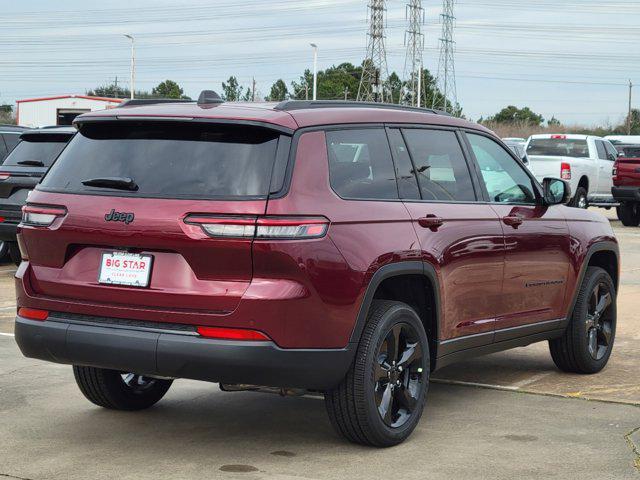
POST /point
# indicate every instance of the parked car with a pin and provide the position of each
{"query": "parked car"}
(343, 248)
(9, 138)
(586, 162)
(20, 173)
(626, 185)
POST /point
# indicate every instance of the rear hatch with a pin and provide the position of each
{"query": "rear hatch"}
(158, 198)
(627, 172)
(24, 167)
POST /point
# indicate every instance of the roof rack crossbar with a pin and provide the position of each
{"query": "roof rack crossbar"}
(289, 105)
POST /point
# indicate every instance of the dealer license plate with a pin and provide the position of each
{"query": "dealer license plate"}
(123, 268)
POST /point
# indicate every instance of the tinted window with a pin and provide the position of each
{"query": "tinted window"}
(602, 153)
(407, 182)
(37, 148)
(169, 160)
(630, 151)
(360, 164)
(558, 147)
(11, 140)
(505, 179)
(3, 149)
(440, 165)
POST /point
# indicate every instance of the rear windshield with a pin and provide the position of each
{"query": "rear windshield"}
(185, 160)
(629, 151)
(29, 152)
(556, 147)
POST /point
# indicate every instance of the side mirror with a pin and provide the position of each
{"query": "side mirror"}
(525, 159)
(556, 191)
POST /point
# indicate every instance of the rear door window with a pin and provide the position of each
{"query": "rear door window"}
(360, 164)
(612, 153)
(442, 171)
(37, 151)
(602, 153)
(169, 160)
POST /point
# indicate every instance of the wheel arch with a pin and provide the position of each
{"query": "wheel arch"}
(584, 182)
(414, 283)
(605, 255)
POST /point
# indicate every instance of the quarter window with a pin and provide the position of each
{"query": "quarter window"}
(360, 164)
(439, 164)
(505, 179)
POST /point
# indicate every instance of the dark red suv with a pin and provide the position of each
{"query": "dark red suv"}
(348, 249)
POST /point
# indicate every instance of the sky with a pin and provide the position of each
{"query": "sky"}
(569, 59)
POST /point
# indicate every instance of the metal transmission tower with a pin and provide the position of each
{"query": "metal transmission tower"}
(414, 41)
(446, 76)
(374, 71)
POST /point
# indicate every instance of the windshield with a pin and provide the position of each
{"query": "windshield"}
(182, 160)
(556, 147)
(30, 152)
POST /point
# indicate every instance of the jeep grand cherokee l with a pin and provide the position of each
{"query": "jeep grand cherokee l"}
(348, 249)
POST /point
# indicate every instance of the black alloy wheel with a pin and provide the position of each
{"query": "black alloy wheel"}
(398, 375)
(587, 343)
(382, 396)
(599, 322)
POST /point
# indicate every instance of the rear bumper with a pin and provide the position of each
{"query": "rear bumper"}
(180, 354)
(623, 194)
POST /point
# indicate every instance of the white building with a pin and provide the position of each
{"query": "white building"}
(59, 110)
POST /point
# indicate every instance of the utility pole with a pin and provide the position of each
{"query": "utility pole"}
(374, 70)
(346, 93)
(253, 90)
(419, 96)
(414, 41)
(629, 123)
(446, 77)
(133, 65)
(116, 87)
(315, 70)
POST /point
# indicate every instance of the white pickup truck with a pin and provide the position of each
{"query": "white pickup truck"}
(586, 162)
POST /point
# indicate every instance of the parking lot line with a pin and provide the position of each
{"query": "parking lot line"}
(6, 334)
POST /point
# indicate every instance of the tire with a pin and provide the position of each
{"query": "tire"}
(580, 199)
(354, 406)
(574, 352)
(14, 252)
(119, 391)
(4, 249)
(629, 214)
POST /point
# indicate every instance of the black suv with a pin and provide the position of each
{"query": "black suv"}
(9, 138)
(20, 173)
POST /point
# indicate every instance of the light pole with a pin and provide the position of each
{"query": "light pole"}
(315, 70)
(132, 85)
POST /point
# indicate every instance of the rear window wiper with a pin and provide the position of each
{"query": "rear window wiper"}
(31, 163)
(117, 183)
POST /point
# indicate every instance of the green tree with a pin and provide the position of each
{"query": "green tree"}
(232, 90)
(169, 89)
(279, 92)
(512, 114)
(554, 122)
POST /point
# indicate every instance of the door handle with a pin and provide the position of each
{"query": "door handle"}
(513, 221)
(431, 222)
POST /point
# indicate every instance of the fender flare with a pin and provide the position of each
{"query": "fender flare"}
(390, 271)
(604, 246)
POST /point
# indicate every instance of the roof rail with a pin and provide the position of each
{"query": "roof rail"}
(136, 102)
(289, 105)
(209, 97)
